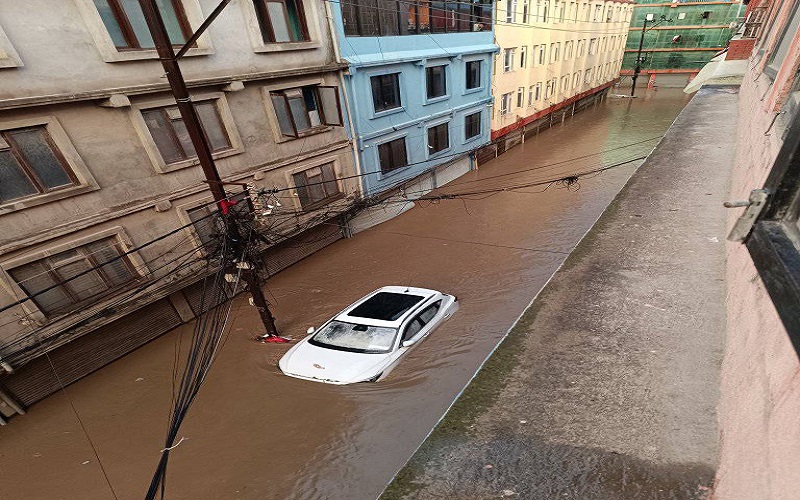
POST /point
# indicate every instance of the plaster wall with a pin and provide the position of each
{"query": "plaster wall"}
(545, 28)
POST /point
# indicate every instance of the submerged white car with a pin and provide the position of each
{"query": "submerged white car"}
(365, 342)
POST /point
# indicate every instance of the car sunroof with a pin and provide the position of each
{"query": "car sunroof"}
(386, 306)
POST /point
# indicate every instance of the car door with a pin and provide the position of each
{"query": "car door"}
(422, 323)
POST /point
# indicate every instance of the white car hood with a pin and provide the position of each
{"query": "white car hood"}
(330, 365)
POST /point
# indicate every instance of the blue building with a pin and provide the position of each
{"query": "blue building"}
(419, 86)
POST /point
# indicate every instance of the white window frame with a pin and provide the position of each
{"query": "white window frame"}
(505, 103)
(523, 56)
(508, 60)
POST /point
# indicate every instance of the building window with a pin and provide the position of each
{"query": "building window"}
(128, 29)
(567, 50)
(392, 155)
(438, 138)
(30, 164)
(564, 83)
(505, 104)
(593, 46)
(554, 51)
(550, 88)
(473, 74)
(545, 8)
(511, 11)
(304, 110)
(316, 186)
(411, 17)
(520, 97)
(523, 56)
(54, 271)
(436, 81)
(281, 20)
(784, 43)
(587, 76)
(576, 79)
(581, 46)
(171, 137)
(472, 125)
(542, 56)
(537, 91)
(530, 95)
(525, 11)
(508, 60)
(385, 91)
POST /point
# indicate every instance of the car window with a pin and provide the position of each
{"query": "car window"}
(422, 319)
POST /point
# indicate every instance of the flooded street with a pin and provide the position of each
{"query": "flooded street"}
(254, 433)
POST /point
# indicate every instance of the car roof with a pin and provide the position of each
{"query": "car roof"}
(388, 306)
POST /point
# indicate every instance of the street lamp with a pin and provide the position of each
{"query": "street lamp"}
(638, 68)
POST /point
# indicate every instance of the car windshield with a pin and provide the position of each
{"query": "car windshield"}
(356, 338)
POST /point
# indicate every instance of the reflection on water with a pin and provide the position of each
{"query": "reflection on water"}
(254, 433)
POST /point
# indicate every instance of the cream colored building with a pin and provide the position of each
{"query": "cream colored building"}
(554, 53)
(95, 164)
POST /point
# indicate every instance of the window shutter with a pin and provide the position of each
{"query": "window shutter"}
(282, 111)
(330, 105)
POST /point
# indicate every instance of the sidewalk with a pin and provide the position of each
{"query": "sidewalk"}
(607, 386)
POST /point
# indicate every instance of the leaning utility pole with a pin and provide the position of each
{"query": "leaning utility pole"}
(638, 68)
(169, 60)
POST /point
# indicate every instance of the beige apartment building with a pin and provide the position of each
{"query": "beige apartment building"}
(555, 55)
(96, 168)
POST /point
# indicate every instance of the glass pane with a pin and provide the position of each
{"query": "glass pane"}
(284, 120)
(436, 81)
(116, 272)
(330, 105)
(399, 153)
(278, 21)
(32, 144)
(388, 14)
(33, 278)
(183, 138)
(170, 17)
(302, 192)
(390, 89)
(136, 19)
(294, 20)
(13, 182)
(215, 133)
(385, 157)
(160, 130)
(297, 106)
(368, 17)
(84, 286)
(350, 18)
(111, 23)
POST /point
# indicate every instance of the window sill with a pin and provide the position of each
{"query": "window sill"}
(434, 100)
(41, 199)
(306, 133)
(286, 46)
(472, 91)
(322, 202)
(139, 55)
(381, 114)
(472, 139)
(195, 162)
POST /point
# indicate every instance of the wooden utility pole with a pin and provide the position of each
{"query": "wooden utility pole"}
(169, 60)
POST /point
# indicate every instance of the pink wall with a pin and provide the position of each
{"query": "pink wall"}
(759, 409)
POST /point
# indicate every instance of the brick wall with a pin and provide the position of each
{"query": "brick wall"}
(740, 49)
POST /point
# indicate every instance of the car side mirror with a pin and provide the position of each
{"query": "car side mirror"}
(311, 330)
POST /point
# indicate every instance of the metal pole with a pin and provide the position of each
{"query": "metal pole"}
(177, 84)
(638, 68)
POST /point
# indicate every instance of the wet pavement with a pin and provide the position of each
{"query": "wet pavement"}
(607, 387)
(254, 433)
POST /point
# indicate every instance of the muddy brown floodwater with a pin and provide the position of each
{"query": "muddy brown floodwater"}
(256, 434)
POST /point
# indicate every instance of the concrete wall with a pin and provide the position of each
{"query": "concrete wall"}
(56, 68)
(410, 55)
(548, 31)
(760, 403)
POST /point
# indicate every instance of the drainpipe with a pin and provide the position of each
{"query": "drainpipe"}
(338, 57)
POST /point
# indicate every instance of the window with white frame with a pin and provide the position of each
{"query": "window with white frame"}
(555, 51)
(505, 103)
(521, 97)
(508, 60)
(511, 11)
(544, 13)
(564, 83)
(530, 96)
(568, 50)
(525, 11)
(581, 47)
(304, 110)
(576, 79)
(587, 76)
(72, 279)
(541, 55)
(550, 88)
(537, 91)
(593, 46)
(523, 56)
